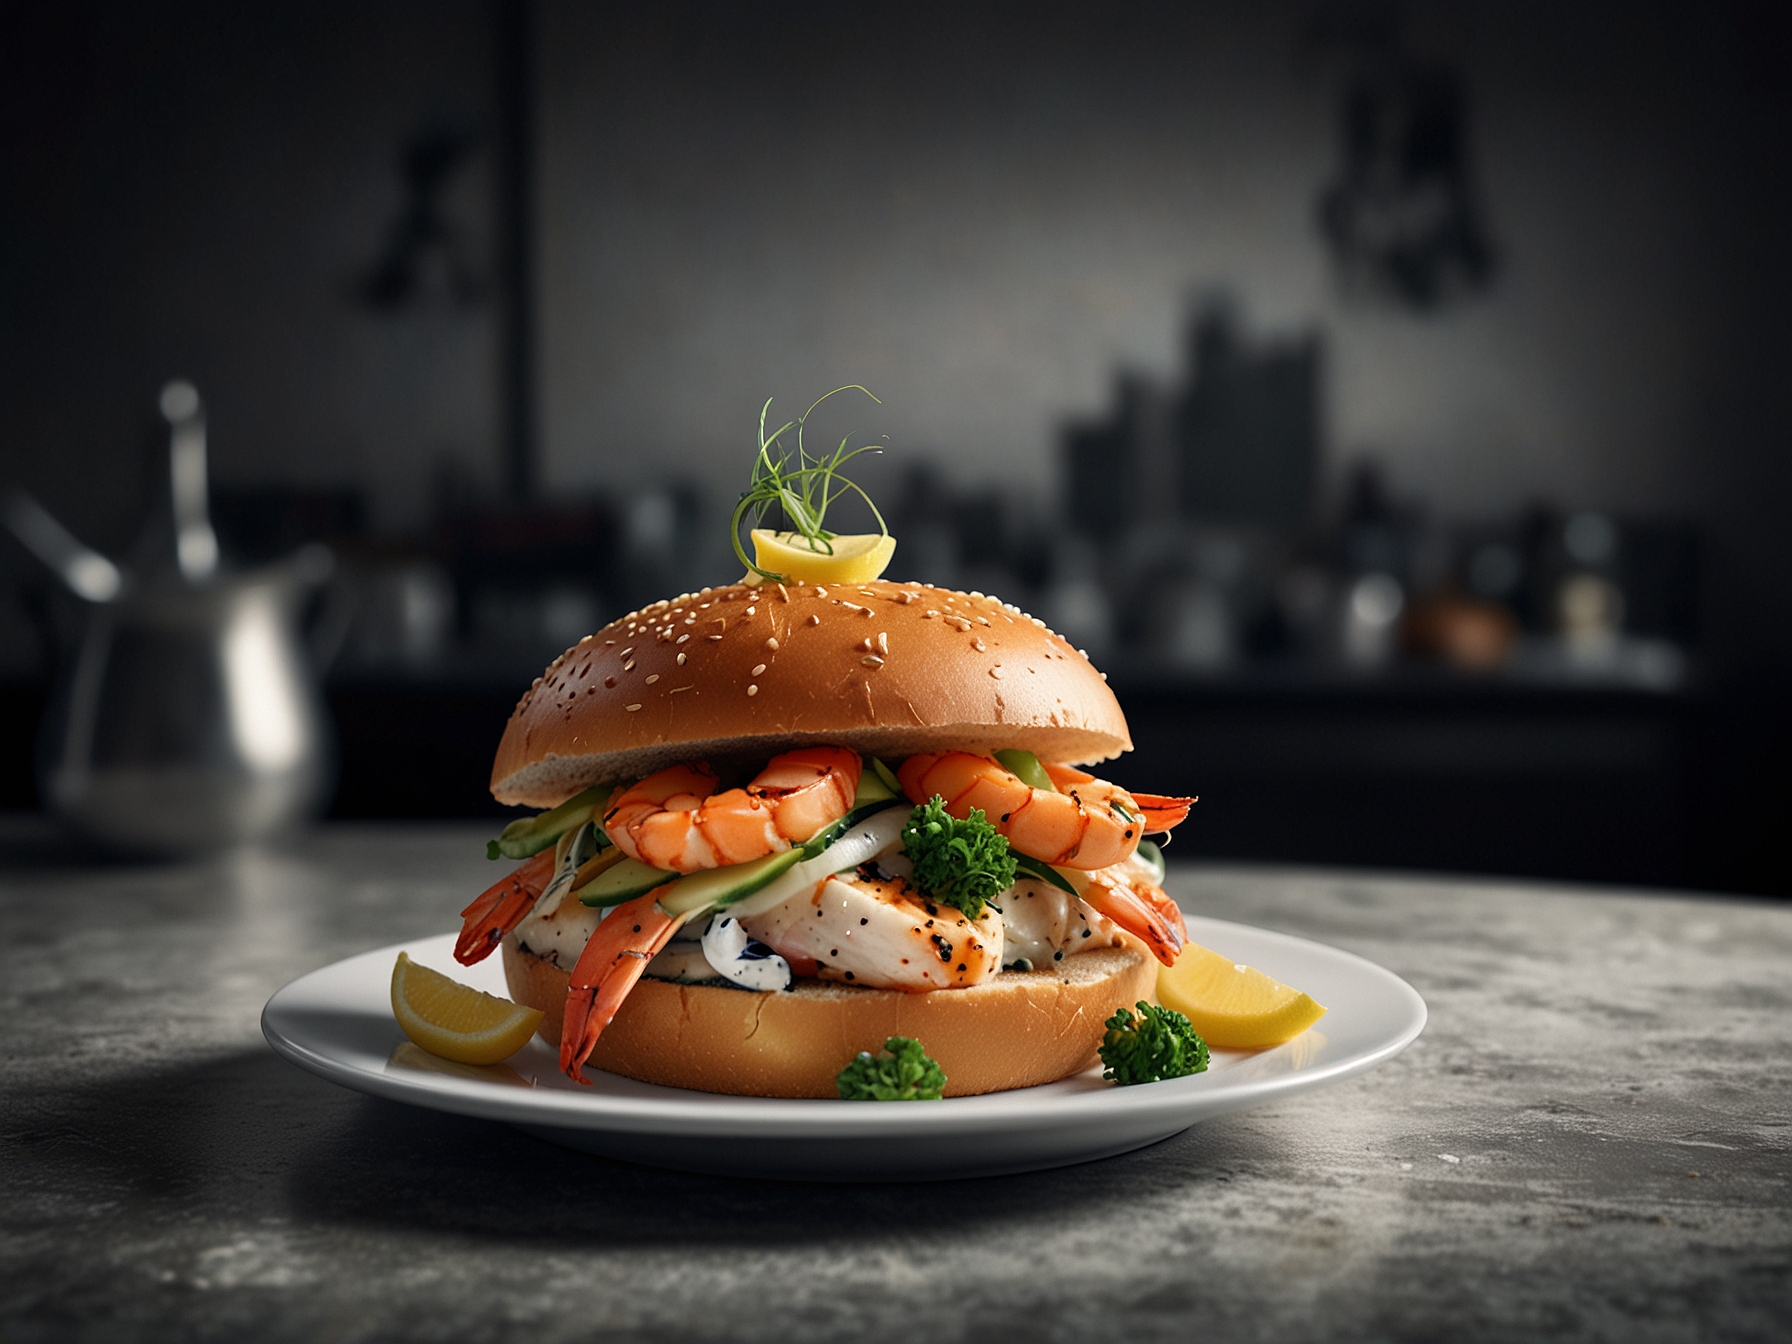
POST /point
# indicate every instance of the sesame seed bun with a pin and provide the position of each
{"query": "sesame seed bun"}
(735, 674)
(1019, 1030)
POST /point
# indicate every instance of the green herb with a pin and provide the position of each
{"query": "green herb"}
(1160, 1043)
(901, 1071)
(958, 863)
(802, 487)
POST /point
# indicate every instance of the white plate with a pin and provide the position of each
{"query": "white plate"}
(338, 1023)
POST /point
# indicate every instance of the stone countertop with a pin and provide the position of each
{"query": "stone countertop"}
(1592, 1139)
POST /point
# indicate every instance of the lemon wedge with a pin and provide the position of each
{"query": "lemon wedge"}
(1233, 1007)
(858, 558)
(456, 1021)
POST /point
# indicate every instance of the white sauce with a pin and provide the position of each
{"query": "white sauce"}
(740, 960)
(1042, 924)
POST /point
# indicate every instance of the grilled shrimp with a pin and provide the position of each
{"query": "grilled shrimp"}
(676, 821)
(1087, 823)
(868, 929)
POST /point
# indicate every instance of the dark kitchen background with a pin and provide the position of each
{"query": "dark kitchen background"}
(1393, 399)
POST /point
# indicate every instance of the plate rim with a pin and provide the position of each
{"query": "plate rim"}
(678, 1113)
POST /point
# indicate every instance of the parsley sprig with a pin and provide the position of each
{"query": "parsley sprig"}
(801, 486)
(901, 1071)
(1159, 1043)
(962, 863)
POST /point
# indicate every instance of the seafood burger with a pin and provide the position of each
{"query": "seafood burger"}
(787, 820)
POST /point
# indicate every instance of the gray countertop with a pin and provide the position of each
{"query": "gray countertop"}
(1592, 1139)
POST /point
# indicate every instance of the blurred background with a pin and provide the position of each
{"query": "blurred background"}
(1394, 399)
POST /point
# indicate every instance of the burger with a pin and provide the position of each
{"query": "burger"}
(786, 822)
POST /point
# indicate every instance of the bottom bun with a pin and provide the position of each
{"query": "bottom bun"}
(1018, 1030)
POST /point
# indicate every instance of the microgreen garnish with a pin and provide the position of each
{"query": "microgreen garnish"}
(802, 488)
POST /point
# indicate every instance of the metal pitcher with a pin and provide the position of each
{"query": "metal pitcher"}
(190, 718)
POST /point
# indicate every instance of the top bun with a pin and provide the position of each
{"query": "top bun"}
(733, 675)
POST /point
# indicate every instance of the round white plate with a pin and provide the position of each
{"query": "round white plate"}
(338, 1023)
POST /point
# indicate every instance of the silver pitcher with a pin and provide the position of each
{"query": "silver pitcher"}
(190, 719)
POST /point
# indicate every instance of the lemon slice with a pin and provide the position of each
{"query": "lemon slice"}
(1233, 1007)
(856, 559)
(456, 1021)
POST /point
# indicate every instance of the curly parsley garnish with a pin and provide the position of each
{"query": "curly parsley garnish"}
(958, 863)
(901, 1071)
(1160, 1043)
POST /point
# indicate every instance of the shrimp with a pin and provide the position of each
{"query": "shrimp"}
(631, 936)
(1142, 908)
(501, 907)
(867, 929)
(1088, 823)
(676, 821)
(536, 886)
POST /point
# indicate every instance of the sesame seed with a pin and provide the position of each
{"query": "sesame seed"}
(852, 606)
(625, 653)
(772, 644)
(681, 660)
(631, 708)
(681, 639)
(872, 660)
(976, 644)
(712, 638)
(609, 643)
(751, 610)
(929, 615)
(752, 690)
(629, 666)
(820, 591)
(676, 689)
(655, 677)
(864, 645)
(758, 670)
(814, 620)
(983, 620)
(783, 592)
(883, 641)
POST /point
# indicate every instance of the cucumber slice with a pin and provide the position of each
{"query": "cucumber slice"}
(527, 836)
(865, 840)
(873, 789)
(624, 882)
(1153, 858)
(1024, 766)
(828, 835)
(887, 775)
(1045, 873)
(725, 886)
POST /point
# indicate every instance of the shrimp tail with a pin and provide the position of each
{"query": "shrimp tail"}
(1161, 813)
(613, 960)
(1145, 911)
(501, 907)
